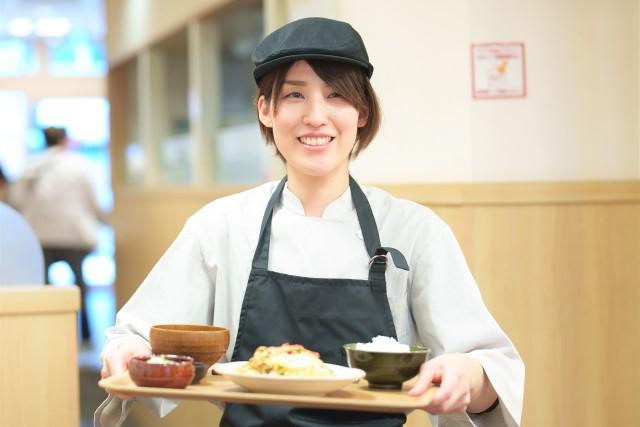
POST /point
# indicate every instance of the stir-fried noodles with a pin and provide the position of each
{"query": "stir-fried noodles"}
(286, 360)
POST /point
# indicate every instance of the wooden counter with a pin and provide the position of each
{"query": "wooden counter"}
(39, 352)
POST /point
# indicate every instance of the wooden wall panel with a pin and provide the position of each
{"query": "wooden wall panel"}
(39, 384)
(558, 266)
(562, 280)
(145, 223)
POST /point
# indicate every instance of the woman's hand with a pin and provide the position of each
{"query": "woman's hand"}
(464, 386)
(116, 360)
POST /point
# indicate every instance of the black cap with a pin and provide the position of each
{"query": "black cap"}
(310, 38)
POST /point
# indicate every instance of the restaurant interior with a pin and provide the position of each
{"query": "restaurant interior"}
(518, 123)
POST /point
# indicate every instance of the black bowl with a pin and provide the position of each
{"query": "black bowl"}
(387, 370)
(200, 371)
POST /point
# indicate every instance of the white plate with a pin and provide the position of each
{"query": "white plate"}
(290, 385)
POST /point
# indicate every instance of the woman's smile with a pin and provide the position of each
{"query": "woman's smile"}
(315, 141)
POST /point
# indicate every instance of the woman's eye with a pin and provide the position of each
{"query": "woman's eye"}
(334, 95)
(293, 95)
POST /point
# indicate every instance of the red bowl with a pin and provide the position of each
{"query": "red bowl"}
(176, 372)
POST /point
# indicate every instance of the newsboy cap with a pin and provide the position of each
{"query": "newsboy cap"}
(310, 38)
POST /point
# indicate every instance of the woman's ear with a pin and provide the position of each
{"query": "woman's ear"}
(363, 117)
(264, 112)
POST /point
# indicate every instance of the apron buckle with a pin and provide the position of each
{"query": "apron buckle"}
(378, 259)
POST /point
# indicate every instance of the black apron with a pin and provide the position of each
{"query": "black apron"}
(320, 314)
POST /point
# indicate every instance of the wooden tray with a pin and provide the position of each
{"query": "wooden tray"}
(355, 396)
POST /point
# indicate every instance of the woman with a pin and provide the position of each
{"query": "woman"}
(304, 260)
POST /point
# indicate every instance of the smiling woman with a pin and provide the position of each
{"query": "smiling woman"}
(305, 260)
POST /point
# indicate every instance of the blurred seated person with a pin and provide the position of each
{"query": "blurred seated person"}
(57, 197)
(4, 185)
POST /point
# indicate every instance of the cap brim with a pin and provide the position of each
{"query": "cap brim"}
(263, 69)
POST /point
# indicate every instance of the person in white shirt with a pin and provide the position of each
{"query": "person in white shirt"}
(57, 196)
(320, 261)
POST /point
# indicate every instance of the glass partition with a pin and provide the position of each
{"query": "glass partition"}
(18, 58)
(134, 153)
(240, 153)
(172, 91)
(76, 55)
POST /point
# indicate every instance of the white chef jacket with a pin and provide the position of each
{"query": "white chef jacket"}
(57, 197)
(203, 276)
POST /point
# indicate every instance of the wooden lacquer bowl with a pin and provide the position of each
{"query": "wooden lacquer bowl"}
(162, 371)
(205, 343)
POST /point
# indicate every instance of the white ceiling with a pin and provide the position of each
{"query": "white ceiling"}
(83, 15)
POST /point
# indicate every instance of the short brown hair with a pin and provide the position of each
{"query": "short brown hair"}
(54, 136)
(350, 81)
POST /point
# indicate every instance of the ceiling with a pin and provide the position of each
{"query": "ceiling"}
(53, 17)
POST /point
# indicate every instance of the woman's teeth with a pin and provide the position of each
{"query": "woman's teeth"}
(315, 141)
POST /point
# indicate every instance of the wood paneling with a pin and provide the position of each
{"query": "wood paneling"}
(557, 264)
(38, 350)
(563, 280)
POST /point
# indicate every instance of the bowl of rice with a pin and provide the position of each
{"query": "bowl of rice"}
(386, 362)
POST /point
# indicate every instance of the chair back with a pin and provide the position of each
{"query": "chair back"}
(21, 258)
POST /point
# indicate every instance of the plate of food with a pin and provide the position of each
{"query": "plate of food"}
(288, 369)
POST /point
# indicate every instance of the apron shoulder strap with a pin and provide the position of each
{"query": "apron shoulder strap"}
(370, 230)
(261, 256)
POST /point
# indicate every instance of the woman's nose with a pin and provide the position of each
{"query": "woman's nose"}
(316, 113)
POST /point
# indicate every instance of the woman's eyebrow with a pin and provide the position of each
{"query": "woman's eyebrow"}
(300, 83)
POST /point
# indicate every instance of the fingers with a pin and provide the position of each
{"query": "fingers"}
(429, 374)
(454, 392)
(113, 364)
(104, 372)
(452, 396)
(116, 362)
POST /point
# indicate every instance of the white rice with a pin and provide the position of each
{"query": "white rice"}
(383, 344)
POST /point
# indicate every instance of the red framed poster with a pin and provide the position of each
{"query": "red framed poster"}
(498, 71)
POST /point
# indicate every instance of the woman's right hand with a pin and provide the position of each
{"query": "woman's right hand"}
(115, 361)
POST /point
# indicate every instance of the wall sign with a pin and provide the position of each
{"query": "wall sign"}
(498, 70)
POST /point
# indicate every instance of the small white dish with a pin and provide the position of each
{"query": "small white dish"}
(289, 385)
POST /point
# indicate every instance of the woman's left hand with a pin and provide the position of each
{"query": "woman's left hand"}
(463, 384)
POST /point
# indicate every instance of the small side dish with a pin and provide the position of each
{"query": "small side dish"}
(162, 370)
(201, 369)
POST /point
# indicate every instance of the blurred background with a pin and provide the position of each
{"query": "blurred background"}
(517, 122)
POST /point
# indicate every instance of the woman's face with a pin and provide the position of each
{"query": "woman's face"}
(314, 128)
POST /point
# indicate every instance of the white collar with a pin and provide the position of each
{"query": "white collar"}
(340, 208)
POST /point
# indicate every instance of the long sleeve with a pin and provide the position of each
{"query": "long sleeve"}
(451, 317)
(179, 289)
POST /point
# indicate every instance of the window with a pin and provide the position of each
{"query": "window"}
(18, 58)
(77, 55)
(240, 152)
(175, 139)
